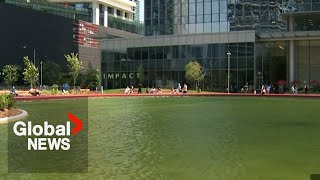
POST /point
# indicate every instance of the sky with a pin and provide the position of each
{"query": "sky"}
(141, 10)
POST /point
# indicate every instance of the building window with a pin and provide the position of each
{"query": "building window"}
(110, 10)
(118, 12)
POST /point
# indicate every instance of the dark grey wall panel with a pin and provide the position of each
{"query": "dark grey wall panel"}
(51, 35)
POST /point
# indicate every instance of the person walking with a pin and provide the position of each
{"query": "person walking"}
(294, 89)
(246, 87)
(305, 88)
(139, 88)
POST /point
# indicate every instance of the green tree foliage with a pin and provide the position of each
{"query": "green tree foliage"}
(7, 101)
(10, 73)
(64, 78)
(50, 73)
(75, 67)
(194, 72)
(31, 72)
(92, 77)
(140, 71)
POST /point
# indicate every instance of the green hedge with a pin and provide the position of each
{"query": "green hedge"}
(6, 101)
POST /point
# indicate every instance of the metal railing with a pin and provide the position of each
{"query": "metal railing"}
(132, 26)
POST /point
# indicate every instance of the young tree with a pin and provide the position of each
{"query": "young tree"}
(10, 73)
(75, 66)
(31, 72)
(140, 71)
(194, 72)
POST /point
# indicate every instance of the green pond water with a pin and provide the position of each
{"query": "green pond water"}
(216, 138)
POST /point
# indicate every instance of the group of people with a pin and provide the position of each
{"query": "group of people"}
(129, 90)
(267, 89)
(32, 91)
(294, 89)
(179, 89)
(153, 90)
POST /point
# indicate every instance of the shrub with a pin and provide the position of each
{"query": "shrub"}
(6, 102)
(315, 88)
(55, 87)
(11, 101)
(3, 103)
(51, 92)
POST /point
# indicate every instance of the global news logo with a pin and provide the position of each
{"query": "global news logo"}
(47, 136)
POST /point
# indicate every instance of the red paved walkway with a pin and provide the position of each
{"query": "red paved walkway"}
(47, 97)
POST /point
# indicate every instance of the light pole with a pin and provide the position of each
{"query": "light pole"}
(41, 73)
(2, 74)
(34, 56)
(229, 54)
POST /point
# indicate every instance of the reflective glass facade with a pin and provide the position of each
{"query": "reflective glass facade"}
(185, 16)
(307, 60)
(271, 15)
(273, 60)
(158, 17)
(260, 15)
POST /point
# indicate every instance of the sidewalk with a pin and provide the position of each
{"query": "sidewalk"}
(203, 94)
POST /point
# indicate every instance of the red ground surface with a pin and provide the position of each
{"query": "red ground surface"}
(48, 97)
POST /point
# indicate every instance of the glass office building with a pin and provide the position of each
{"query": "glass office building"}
(269, 41)
(164, 58)
(185, 16)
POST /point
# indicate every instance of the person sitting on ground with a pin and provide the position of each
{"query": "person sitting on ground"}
(159, 91)
(127, 91)
(173, 91)
(13, 91)
(131, 90)
(153, 90)
(34, 92)
(65, 92)
(242, 90)
(185, 88)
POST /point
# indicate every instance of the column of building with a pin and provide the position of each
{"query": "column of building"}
(291, 51)
(105, 16)
(96, 14)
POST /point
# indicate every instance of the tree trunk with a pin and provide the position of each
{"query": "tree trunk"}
(74, 83)
(198, 86)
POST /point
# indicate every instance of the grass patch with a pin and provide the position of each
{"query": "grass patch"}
(192, 138)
